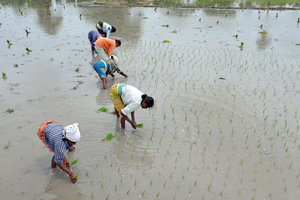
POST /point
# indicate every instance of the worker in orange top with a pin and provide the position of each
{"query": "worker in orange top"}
(105, 47)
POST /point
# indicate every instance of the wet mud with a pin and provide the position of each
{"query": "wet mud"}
(225, 124)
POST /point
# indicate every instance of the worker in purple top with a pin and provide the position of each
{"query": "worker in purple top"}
(93, 36)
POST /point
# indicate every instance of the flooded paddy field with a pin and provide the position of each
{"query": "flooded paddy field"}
(225, 124)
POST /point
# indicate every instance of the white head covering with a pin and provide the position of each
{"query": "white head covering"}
(115, 58)
(72, 132)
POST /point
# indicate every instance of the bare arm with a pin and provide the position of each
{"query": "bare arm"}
(132, 122)
(132, 117)
(64, 165)
(123, 74)
(104, 82)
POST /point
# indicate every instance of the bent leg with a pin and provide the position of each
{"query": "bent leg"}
(122, 122)
(104, 82)
(117, 113)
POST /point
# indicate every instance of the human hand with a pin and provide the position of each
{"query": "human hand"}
(53, 164)
(73, 177)
(133, 124)
(66, 162)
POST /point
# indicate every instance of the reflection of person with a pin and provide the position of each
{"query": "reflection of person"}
(105, 29)
(103, 69)
(93, 36)
(127, 99)
(59, 139)
(105, 47)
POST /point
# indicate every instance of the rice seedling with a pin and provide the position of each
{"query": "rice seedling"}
(263, 32)
(102, 109)
(141, 125)
(27, 32)
(7, 145)
(241, 45)
(298, 21)
(73, 162)
(174, 31)
(128, 191)
(165, 25)
(101, 184)
(145, 18)
(77, 69)
(143, 193)
(166, 41)
(109, 137)
(16, 65)
(28, 50)
(9, 43)
(10, 110)
(79, 192)
(209, 186)
(80, 16)
(151, 181)
(86, 173)
(76, 175)
(92, 195)
(157, 194)
(4, 75)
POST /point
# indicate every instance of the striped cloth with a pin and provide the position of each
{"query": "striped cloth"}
(54, 138)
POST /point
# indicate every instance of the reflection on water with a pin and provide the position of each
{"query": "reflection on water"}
(228, 3)
(176, 3)
(59, 180)
(263, 39)
(128, 149)
(220, 13)
(49, 16)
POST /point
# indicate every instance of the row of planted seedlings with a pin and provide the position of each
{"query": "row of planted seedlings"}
(213, 140)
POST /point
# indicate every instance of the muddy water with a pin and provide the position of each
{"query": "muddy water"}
(225, 124)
